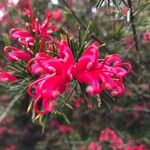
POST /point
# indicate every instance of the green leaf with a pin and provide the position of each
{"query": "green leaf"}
(30, 106)
(84, 39)
(7, 40)
(63, 115)
(99, 4)
(70, 94)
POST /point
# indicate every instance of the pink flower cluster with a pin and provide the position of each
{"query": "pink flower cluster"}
(109, 135)
(61, 127)
(146, 37)
(113, 141)
(77, 102)
(7, 76)
(55, 72)
(92, 146)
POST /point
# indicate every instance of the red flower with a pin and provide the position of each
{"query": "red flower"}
(94, 146)
(24, 37)
(57, 15)
(77, 102)
(14, 54)
(57, 73)
(146, 37)
(124, 10)
(47, 89)
(109, 135)
(128, 42)
(65, 128)
(7, 77)
(39, 64)
(138, 147)
(107, 74)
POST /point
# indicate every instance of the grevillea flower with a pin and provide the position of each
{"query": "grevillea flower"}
(94, 146)
(14, 54)
(77, 102)
(55, 74)
(128, 42)
(17, 33)
(146, 37)
(65, 128)
(23, 36)
(109, 135)
(57, 15)
(138, 147)
(54, 124)
(11, 147)
(86, 70)
(124, 10)
(39, 64)
(117, 108)
(7, 77)
(107, 74)
(47, 89)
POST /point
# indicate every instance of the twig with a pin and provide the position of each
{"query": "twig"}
(81, 22)
(125, 3)
(107, 105)
(133, 29)
(69, 96)
(11, 104)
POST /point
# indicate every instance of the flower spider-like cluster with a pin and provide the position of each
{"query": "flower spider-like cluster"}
(54, 72)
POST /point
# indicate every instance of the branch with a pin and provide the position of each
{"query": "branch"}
(133, 29)
(81, 22)
(4, 114)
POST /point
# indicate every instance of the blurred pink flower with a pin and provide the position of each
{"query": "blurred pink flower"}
(11, 147)
(109, 135)
(94, 146)
(57, 15)
(7, 77)
(137, 108)
(124, 10)
(54, 124)
(77, 102)
(138, 147)
(117, 108)
(14, 54)
(65, 128)
(128, 42)
(146, 37)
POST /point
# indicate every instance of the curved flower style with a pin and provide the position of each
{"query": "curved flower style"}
(47, 89)
(87, 70)
(17, 33)
(37, 64)
(65, 55)
(7, 77)
(14, 54)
